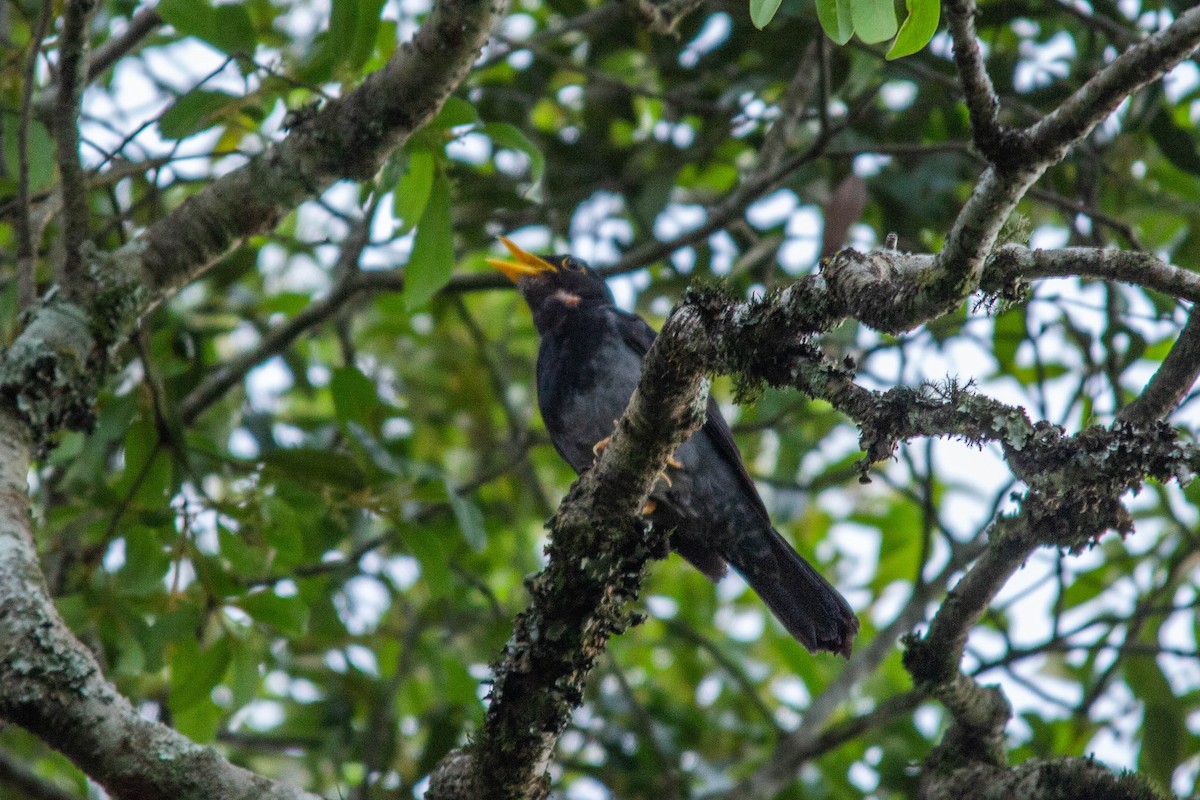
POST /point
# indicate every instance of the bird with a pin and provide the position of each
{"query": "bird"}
(589, 362)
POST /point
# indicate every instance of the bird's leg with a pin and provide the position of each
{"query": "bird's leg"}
(599, 446)
(672, 461)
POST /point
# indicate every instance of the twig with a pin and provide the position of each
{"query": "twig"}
(17, 774)
(1175, 376)
(72, 61)
(983, 104)
(26, 247)
(348, 288)
(141, 25)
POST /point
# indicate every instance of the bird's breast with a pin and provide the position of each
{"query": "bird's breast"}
(586, 374)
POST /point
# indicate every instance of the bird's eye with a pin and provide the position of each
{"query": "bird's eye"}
(572, 264)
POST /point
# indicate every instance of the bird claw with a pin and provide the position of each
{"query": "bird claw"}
(599, 446)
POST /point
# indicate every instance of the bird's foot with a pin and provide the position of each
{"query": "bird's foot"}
(648, 509)
(672, 462)
(599, 446)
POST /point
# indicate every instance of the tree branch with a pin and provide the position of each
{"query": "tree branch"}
(983, 105)
(1148, 60)
(26, 244)
(1175, 376)
(72, 71)
(141, 25)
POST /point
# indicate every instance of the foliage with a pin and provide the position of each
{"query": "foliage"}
(313, 566)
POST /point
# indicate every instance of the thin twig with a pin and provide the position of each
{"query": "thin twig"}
(1175, 376)
(72, 66)
(141, 25)
(26, 247)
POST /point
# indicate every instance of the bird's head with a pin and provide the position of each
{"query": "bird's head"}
(554, 286)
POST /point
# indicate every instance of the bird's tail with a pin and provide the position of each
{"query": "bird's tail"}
(809, 607)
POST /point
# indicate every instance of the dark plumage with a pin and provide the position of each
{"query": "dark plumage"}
(589, 362)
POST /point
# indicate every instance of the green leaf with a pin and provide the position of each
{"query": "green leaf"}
(233, 31)
(194, 672)
(432, 259)
(429, 549)
(762, 11)
(469, 518)
(288, 615)
(874, 20)
(195, 111)
(227, 27)
(503, 134)
(918, 28)
(311, 465)
(1177, 143)
(41, 156)
(835, 19)
(1165, 734)
(146, 563)
(365, 30)
(455, 112)
(189, 17)
(412, 190)
(340, 36)
(354, 395)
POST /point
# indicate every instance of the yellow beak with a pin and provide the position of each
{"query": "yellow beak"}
(521, 264)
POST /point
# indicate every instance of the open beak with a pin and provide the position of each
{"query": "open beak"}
(521, 263)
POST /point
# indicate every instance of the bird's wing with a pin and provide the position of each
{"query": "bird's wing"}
(639, 336)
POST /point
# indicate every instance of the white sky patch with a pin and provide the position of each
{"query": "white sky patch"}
(363, 659)
(713, 33)
(898, 95)
(266, 382)
(724, 252)
(708, 690)
(1042, 64)
(625, 288)
(868, 165)
(518, 26)
(470, 148)
(772, 210)
(241, 444)
(662, 607)
(361, 604)
(587, 788)
(258, 715)
(863, 777)
(677, 219)
(402, 571)
(791, 690)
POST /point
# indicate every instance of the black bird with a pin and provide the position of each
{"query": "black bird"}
(589, 362)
